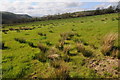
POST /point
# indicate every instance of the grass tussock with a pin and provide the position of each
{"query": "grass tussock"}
(2, 45)
(61, 69)
(42, 47)
(31, 44)
(80, 47)
(86, 52)
(66, 49)
(41, 34)
(53, 50)
(108, 43)
(115, 53)
(60, 45)
(67, 35)
(20, 40)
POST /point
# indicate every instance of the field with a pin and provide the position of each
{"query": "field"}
(64, 48)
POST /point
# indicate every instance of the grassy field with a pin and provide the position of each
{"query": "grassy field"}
(65, 48)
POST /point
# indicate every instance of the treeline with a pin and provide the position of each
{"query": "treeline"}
(98, 11)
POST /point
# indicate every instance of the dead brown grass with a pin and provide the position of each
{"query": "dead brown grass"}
(42, 47)
(80, 47)
(61, 69)
(108, 43)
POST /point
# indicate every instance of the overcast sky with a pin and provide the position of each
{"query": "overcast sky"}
(50, 7)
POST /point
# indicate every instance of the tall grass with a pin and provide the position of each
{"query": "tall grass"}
(61, 69)
(86, 52)
(42, 47)
(108, 43)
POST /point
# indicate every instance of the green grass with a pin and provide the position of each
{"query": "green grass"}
(19, 60)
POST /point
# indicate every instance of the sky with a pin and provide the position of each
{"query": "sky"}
(51, 7)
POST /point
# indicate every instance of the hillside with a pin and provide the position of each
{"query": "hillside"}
(8, 17)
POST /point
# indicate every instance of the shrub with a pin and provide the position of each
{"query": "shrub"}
(20, 40)
(108, 43)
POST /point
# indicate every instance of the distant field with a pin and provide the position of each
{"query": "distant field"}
(30, 50)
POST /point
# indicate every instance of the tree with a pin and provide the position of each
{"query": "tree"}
(110, 9)
(98, 11)
(118, 7)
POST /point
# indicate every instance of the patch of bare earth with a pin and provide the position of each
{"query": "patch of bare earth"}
(107, 66)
